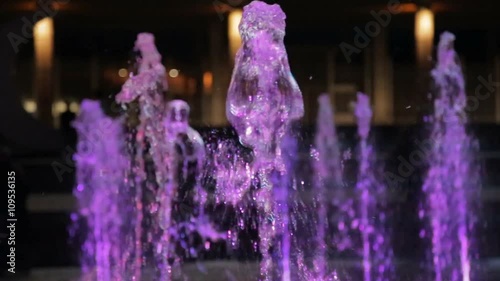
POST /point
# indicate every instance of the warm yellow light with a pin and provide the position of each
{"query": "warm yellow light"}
(43, 37)
(173, 73)
(60, 107)
(74, 107)
(425, 21)
(208, 80)
(122, 72)
(44, 28)
(43, 32)
(233, 32)
(29, 106)
(424, 33)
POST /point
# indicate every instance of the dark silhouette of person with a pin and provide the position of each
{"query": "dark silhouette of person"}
(66, 118)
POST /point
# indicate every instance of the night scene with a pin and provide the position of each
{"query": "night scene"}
(250, 140)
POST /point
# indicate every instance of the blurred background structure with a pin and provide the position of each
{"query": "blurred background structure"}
(76, 49)
(336, 47)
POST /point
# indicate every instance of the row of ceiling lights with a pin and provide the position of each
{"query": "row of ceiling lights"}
(123, 72)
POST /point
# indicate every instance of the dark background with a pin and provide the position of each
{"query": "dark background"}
(105, 31)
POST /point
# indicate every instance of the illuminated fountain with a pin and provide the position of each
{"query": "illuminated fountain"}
(146, 86)
(140, 206)
(328, 171)
(263, 101)
(101, 165)
(371, 220)
(177, 155)
(452, 182)
(328, 178)
(189, 159)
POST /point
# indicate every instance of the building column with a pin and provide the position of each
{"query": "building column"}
(330, 72)
(382, 82)
(368, 71)
(207, 84)
(497, 89)
(197, 109)
(233, 33)
(95, 74)
(219, 65)
(57, 78)
(57, 92)
(424, 45)
(494, 57)
(44, 69)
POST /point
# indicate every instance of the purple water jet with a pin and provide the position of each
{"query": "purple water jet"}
(189, 159)
(371, 219)
(233, 174)
(328, 178)
(230, 166)
(324, 141)
(146, 87)
(146, 201)
(101, 166)
(452, 181)
(263, 100)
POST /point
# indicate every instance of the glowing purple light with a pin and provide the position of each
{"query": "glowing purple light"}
(263, 100)
(451, 182)
(328, 176)
(147, 86)
(376, 251)
(100, 147)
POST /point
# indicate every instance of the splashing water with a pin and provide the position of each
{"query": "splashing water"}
(328, 173)
(263, 100)
(190, 158)
(451, 180)
(233, 174)
(230, 167)
(376, 250)
(263, 96)
(143, 203)
(147, 88)
(325, 139)
(282, 182)
(100, 172)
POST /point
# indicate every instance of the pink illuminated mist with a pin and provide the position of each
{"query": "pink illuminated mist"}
(101, 166)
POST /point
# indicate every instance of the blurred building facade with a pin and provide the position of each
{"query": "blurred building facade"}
(372, 49)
